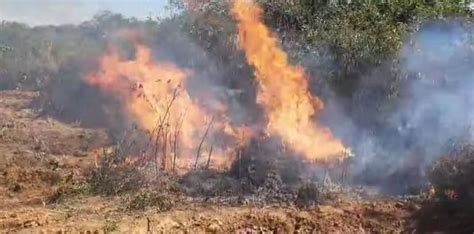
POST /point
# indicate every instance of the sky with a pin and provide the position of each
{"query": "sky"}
(56, 12)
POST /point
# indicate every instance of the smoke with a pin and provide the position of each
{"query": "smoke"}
(434, 109)
(207, 81)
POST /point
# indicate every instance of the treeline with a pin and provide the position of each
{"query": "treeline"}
(30, 57)
(350, 36)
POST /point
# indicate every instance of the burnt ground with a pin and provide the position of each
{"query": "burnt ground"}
(38, 154)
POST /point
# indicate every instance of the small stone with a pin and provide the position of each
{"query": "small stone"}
(31, 223)
(214, 226)
(80, 154)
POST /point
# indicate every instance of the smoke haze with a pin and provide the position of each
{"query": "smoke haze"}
(434, 109)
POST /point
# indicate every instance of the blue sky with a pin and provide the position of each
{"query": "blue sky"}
(54, 12)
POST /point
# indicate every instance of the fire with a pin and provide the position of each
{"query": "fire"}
(155, 96)
(283, 89)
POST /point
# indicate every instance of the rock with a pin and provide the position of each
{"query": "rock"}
(214, 226)
(167, 224)
(399, 205)
(325, 210)
(31, 223)
(80, 154)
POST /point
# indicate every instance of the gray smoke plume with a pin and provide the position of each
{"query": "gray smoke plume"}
(434, 110)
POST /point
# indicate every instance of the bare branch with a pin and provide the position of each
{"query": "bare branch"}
(209, 156)
(198, 153)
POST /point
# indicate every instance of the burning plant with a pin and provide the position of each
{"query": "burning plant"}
(183, 132)
(154, 95)
(283, 90)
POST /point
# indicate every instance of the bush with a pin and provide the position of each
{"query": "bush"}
(68, 190)
(308, 195)
(453, 179)
(13, 186)
(148, 198)
(110, 226)
(207, 183)
(113, 176)
(262, 159)
(115, 180)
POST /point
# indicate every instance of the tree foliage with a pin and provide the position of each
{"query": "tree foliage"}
(30, 57)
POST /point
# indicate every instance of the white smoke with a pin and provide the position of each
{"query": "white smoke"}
(433, 111)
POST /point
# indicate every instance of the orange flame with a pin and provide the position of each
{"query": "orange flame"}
(154, 95)
(283, 89)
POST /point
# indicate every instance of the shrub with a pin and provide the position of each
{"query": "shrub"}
(207, 183)
(110, 226)
(109, 181)
(148, 198)
(453, 178)
(113, 176)
(262, 159)
(68, 190)
(308, 195)
(13, 186)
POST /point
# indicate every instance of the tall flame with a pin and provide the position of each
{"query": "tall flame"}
(154, 95)
(283, 89)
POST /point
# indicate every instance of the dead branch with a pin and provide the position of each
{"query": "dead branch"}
(160, 121)
(209, 156)
(198, 153)
(164, 147)
(240, 163)
(177, 131)
(160, 126)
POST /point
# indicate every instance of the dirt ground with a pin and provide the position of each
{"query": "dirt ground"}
(37, 153)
